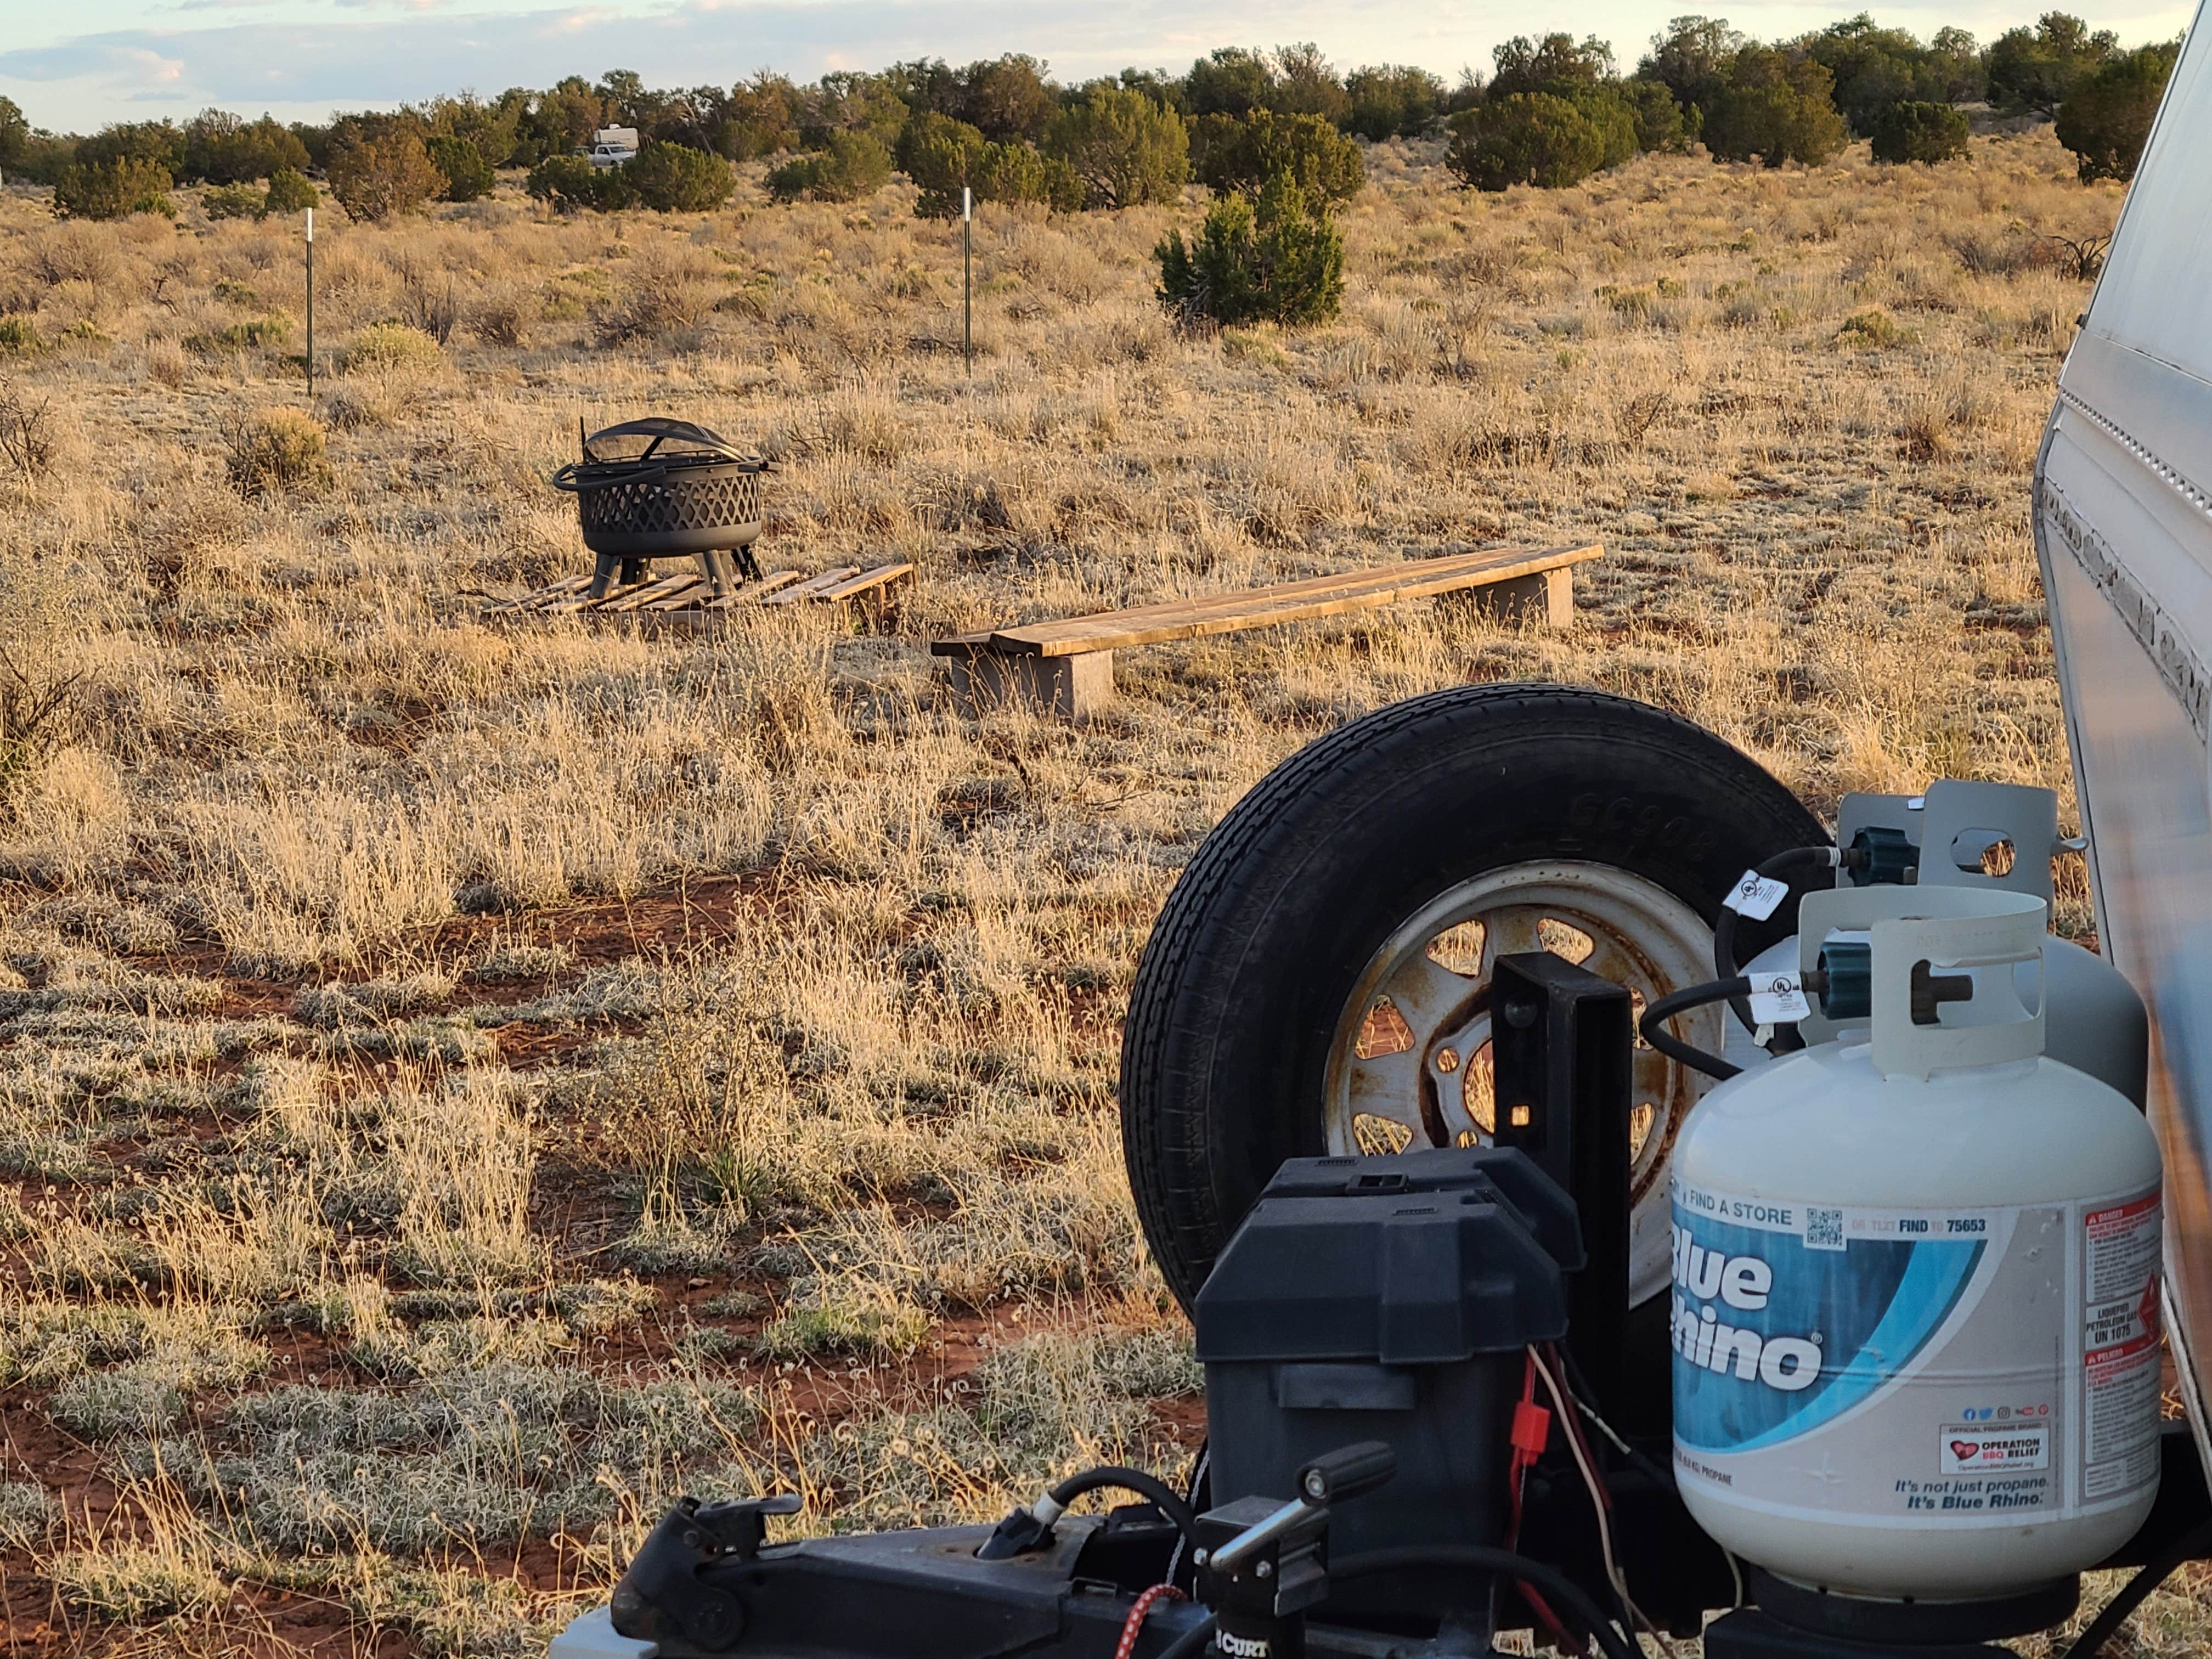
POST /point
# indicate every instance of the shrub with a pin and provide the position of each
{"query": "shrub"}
(1658, 119)
(1020, 172)
(376, 175)
(234, 202)
(1279, 259)
(466, 175)
(852, 165)
(263, 333)
(15, 131)
(565, 182)
(1874, 328)
(941, 155)
(224, 150)
(1524, 138)
(1391, 100)
(1874, 68)
(277, 452)
(1777, 107)
(1125, 148)
(290, 192)
(662, 292)
(506, 314)
(113, 190)
(2039, 69)
(2107, 122)
(388, 347)
(673, 178)
(1240, 152)
(20, 335)
(1915, 132)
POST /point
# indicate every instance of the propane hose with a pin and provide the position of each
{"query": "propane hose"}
(1725, 962)
(1110, 1475)
(1653, 1025)
(1563, 1591)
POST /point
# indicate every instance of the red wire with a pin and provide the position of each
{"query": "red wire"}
(1135, 1621)
(1517, 1472)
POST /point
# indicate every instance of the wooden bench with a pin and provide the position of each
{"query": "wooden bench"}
(1067, 667)
(687, 600)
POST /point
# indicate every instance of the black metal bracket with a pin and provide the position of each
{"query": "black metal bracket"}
(661, 1595)
(1562, 1045)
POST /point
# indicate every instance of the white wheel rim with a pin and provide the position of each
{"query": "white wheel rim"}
(1408, 1065)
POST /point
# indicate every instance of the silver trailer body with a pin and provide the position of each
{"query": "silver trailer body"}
(2122, 515)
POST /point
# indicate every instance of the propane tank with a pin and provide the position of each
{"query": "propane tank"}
(1915, 1281)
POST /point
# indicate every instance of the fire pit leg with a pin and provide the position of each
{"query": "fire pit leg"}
(717, 566)
(603, 574)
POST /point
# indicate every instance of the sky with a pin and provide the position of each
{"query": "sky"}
(75, 67)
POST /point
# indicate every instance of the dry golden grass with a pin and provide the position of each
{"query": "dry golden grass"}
(462, 1087)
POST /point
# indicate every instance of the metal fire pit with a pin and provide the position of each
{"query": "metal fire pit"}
(661, 489)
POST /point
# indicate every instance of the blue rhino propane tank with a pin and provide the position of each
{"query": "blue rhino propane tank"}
(1915, 1281)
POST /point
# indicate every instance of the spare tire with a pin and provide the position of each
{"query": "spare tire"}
(1318, 979)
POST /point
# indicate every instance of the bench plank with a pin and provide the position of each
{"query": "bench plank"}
(1299, 601)
(882, 576)
(662, 588)
(814, 586)
(538, 596)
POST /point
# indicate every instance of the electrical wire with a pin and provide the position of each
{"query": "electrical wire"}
(1532, 1427)
(1601, 1499)
(2106, 1625)
(1190, 1499)
(1505, 1563)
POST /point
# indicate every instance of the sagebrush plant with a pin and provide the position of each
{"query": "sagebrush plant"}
(277, 451)
(399, 1013)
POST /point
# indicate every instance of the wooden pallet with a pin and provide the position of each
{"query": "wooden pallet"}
(1067, 667)
(687, 600)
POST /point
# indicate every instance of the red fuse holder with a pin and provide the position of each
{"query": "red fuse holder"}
(1532, 1427)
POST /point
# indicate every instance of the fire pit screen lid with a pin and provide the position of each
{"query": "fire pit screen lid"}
(650, 448)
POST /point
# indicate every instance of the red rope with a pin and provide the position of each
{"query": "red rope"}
(1135, 1621)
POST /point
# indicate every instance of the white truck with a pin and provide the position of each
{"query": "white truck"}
(612, 147)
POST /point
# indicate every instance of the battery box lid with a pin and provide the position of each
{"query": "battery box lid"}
(1420, 1258)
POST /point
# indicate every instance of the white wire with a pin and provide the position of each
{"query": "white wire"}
(1175, 1561)
(1604, 1427)
(1613, 1572)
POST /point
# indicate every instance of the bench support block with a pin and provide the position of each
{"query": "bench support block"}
(1073, 688)
(1547, 596)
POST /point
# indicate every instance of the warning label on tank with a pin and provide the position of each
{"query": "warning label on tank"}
(1842, 1363)
(2120, 1344)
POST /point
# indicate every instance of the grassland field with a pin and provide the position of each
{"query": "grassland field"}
(461, 1087)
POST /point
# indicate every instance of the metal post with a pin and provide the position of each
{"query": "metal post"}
(311, 306)
(968, 278)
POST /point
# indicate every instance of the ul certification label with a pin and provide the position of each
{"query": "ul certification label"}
(2120, 1344)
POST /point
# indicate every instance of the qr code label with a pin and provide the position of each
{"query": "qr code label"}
(1824, 1228)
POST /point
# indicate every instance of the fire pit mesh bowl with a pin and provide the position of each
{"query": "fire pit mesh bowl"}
(662, 488)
